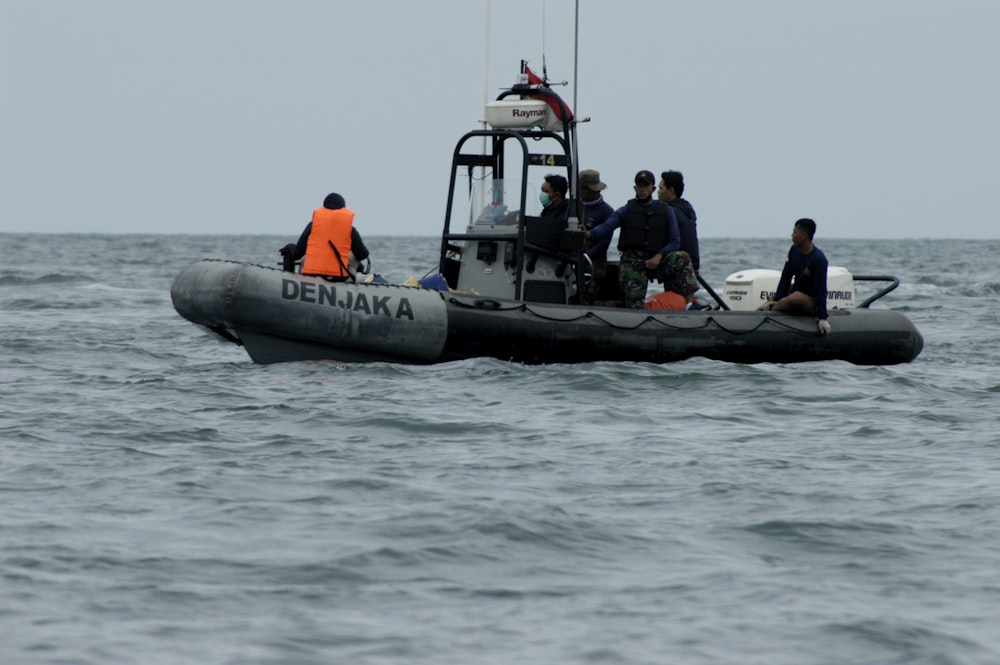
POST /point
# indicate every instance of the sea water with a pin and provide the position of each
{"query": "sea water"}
(165, 500)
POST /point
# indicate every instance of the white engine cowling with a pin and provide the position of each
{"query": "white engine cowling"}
(747, 290)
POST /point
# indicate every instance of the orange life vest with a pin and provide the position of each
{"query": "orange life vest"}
(329, 226)
(665, 300)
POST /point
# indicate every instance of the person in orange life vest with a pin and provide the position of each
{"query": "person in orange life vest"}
(330, 243)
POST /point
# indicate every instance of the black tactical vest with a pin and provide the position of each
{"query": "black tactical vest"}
(645, 228)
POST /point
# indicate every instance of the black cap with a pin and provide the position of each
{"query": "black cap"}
(646, 177)
(334, 201)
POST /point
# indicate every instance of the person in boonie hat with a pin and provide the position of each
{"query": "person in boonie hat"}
(595, 212)
(591, 179)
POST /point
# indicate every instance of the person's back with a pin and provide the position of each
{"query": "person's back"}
(330, 243)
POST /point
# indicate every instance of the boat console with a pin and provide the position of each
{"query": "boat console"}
(495, 243)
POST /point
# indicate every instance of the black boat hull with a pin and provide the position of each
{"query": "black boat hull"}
(279, 316)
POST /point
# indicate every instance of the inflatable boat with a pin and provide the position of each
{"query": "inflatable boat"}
(279, 316)
(513, 285)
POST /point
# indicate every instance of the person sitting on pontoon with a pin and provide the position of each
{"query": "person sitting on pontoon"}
(332, 247)
(802, 287)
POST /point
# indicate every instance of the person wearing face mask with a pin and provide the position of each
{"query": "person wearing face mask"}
(553, 197)
(649, 242)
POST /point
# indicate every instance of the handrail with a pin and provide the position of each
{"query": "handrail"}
(876, 278)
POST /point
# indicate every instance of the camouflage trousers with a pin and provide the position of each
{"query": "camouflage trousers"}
(675, 272)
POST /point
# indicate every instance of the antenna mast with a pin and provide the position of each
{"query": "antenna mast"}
(486, 92)
(576, 49)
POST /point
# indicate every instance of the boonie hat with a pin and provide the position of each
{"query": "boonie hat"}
(646, 177)
(591, 179)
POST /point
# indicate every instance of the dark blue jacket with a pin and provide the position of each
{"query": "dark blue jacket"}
(806, 273)
(596, 213)
(687, 224)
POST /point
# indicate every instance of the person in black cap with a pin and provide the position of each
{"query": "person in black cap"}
(330, 243)
(649, 242)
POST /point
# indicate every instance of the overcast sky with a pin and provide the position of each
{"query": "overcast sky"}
(878, 118)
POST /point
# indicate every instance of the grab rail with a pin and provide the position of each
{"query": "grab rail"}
(877, 278)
